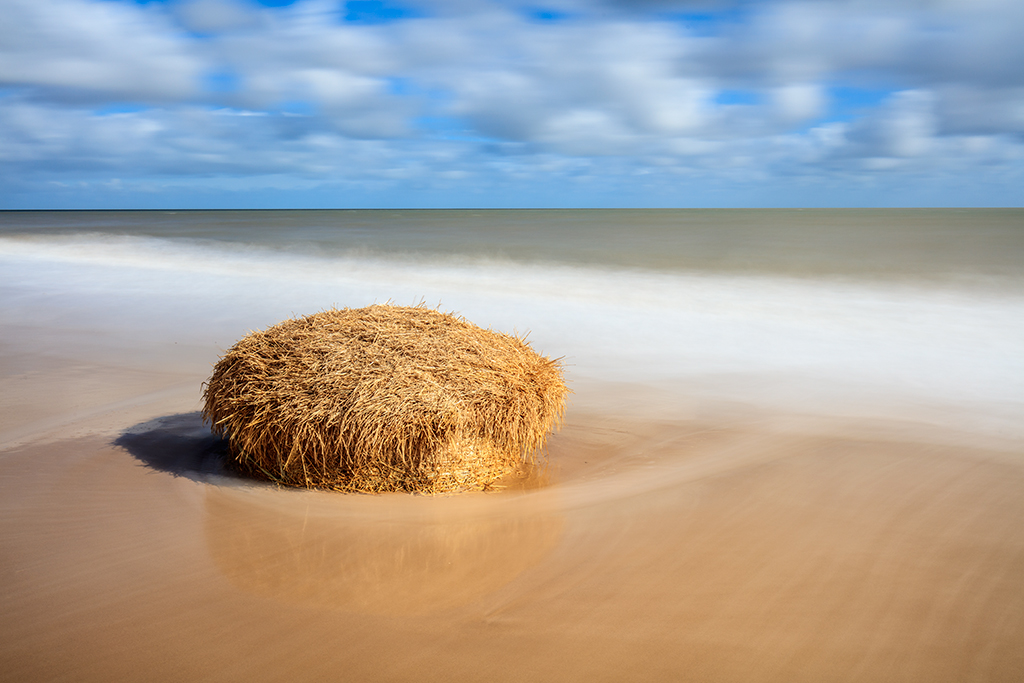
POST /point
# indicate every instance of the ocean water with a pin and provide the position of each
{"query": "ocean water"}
(852, 312)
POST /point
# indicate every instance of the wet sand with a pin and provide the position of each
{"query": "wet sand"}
(717, 543)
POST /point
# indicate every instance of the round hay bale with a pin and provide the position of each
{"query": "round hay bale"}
(383, 398)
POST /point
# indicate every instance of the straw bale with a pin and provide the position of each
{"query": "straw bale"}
(384, 398)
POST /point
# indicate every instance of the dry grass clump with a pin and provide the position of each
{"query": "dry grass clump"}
(384, 398)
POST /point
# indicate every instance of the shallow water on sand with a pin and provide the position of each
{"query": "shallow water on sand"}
(695, 550)
(770, 471)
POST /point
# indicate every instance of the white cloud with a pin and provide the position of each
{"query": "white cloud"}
(95, 49)
(910, 128)
(968, 109)
(215, 16)
(477, 89)
(586, 133)
(799, 101)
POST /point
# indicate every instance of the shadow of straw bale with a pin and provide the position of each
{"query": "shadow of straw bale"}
(184, 446)
(180, 445)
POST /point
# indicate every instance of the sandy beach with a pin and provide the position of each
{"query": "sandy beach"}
(761, 477)
(727, 546)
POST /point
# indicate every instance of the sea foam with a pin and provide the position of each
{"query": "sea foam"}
(814, 343)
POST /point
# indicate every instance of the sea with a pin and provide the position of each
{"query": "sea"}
(849, 311)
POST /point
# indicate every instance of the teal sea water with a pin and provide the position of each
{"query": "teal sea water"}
(863, 311)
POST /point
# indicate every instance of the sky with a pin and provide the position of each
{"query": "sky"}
(503, 103)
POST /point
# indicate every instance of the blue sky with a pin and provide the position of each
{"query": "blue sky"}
(501, 103)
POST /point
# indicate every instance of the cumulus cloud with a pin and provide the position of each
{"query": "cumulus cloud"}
(217, 16)
(435, 91)
(69, 49)
(799, 101)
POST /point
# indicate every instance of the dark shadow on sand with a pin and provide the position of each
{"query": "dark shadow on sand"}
(180, 445)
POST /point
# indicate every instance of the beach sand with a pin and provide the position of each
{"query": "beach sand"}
(702, 541)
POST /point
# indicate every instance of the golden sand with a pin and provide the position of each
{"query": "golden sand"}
(718, 548)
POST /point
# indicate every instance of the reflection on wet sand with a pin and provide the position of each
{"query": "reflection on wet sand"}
(405, 557)
(661, 551)
(391, 554)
